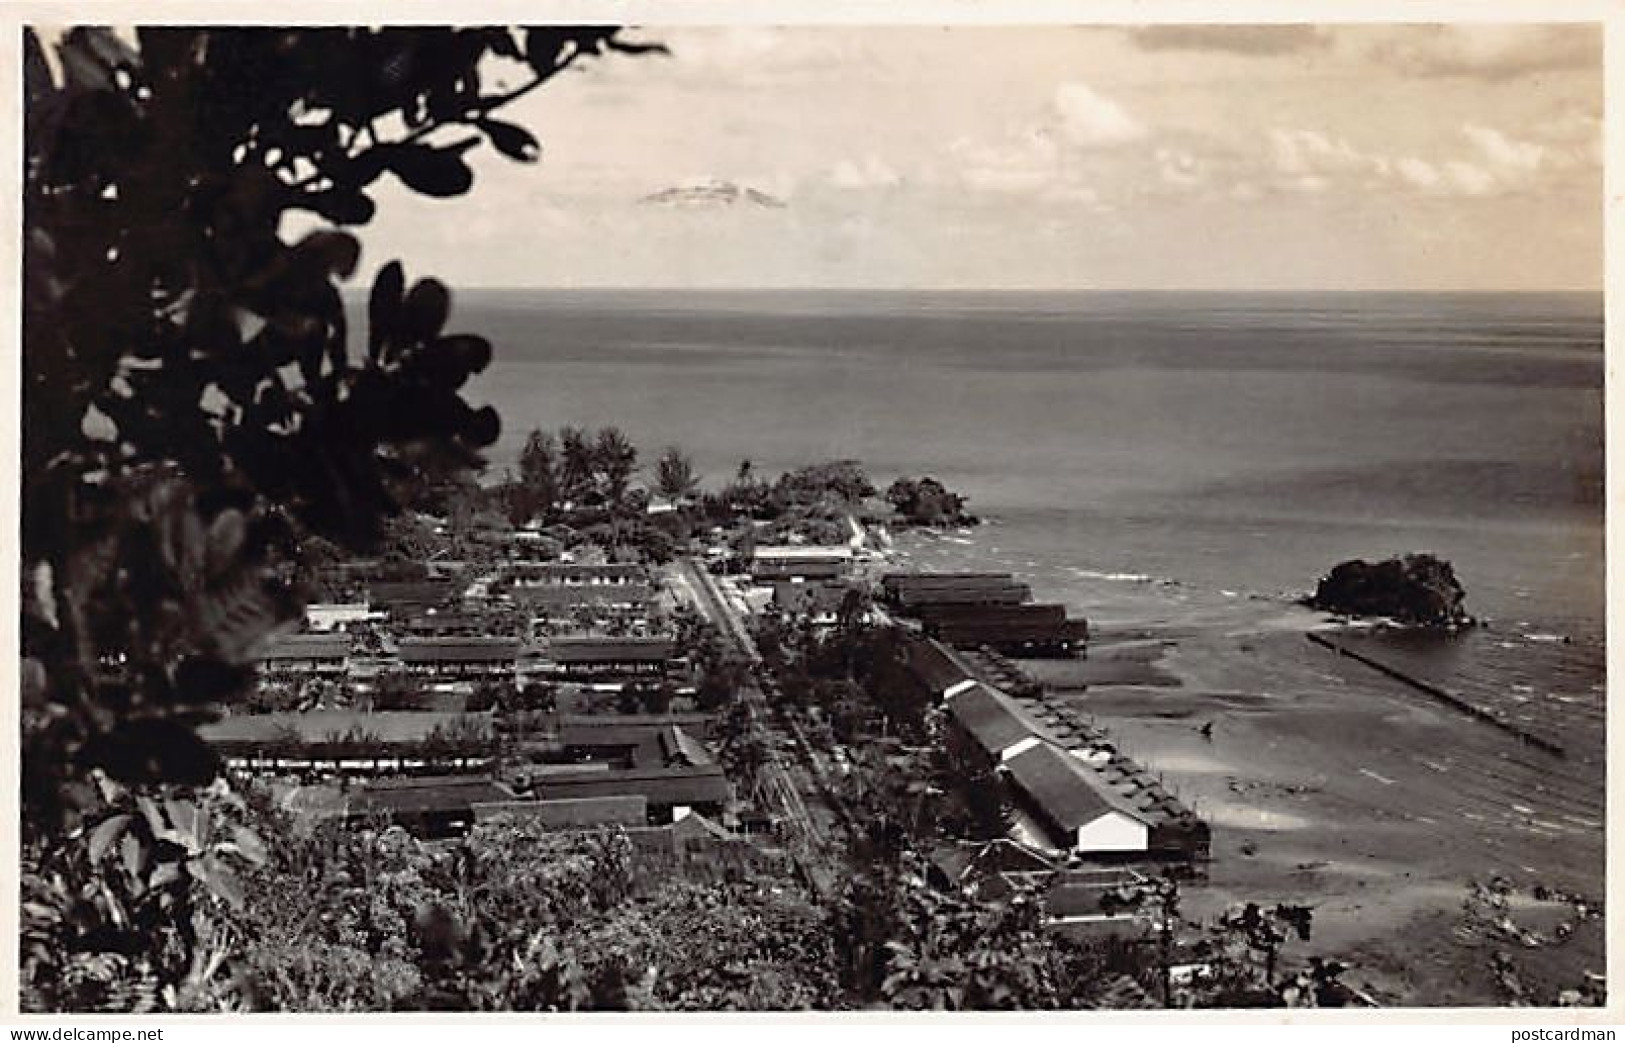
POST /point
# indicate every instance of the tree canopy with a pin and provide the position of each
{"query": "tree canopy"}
(195, 406)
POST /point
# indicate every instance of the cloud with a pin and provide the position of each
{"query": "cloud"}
(1489, 52)
(1263, 40)
(1522, 157)
(1451, 177)
(1313, 154)
(1023, 162)
(1092, 120)
(1178, 168)
(1487, 161)
(869, 172)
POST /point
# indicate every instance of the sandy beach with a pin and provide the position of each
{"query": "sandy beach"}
(1330, 786)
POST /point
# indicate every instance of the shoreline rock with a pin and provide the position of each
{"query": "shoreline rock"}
(1419, 590)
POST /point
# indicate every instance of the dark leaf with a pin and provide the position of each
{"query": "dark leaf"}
(449, 361)
(432, 171)
(384, 307)
(512, 140)
(337, 252)
(504, 45)
(544, 48)
(425, 310)
(615, 43)
(485, 427)
(342, 206)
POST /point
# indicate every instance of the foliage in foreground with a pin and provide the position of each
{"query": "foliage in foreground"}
(196, 416)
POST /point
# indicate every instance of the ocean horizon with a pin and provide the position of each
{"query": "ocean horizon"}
(1225, 441)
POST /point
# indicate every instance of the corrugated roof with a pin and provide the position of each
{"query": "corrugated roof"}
(987, 615)
(661, 786)
(572, 734)
(975, 594)
(992, 718)
(700, 724)
(935, 665)
(791, 554)
(618, 810)
(609, 649)
(415, 592)
(432, 621)
(307, 646)
(892, 581)
(458, 650)
(329, 725)
(568, 572)
(424, 795)
(1069, 793)
(560, 595)
(677, 746)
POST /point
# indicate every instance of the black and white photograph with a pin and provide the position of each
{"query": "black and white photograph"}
(780, 516)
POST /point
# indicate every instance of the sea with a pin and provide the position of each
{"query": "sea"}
(1145, 457)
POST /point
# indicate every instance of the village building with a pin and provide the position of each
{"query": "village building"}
(454, 623)
(404, 599)
(631, 744)
(1018, 630)
(803, 563)
(699, 724)
(347, 743)
(818, 601)
(493, 658)
(309, 655)
(936, 668)
(671, 792)
(521, 574)
(325, 617)
(609, 661)
(1077, 899)
(578, 813)
(552, 605)
(987, 727)
(430, 807)
(1074, 808)
(906, 590)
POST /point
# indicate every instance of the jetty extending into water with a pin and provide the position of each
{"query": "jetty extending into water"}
(1443, 695)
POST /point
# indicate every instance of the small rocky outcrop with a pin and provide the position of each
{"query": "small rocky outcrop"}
(1416, 589)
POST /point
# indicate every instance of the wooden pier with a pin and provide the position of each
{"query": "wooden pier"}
(1445, 696)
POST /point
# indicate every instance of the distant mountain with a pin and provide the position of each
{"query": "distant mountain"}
(712, 193)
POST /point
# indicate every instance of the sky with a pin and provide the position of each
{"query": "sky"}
(1069, 157)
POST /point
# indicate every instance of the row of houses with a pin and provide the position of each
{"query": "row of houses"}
(1073, 793)
(442, 807)
(663, 761)
(590, 659)
(984, 609)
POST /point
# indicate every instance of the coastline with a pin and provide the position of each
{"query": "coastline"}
(1329, 785)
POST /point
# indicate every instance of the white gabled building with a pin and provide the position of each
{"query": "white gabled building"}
(1072, 803)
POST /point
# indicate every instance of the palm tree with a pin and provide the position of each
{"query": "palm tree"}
(539, 472)
(615, 457)
(576, 460)
(674, 475)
